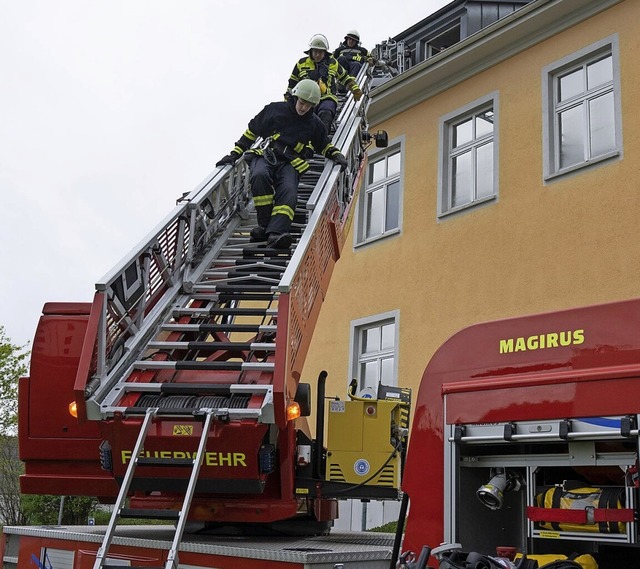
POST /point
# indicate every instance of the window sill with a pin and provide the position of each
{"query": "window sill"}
(376, 238)
(466, 206)
(586, 164)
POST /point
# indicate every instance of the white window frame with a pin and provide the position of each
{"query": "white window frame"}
(448, 154)
(358, 327)
(360, 238)
(551, 107)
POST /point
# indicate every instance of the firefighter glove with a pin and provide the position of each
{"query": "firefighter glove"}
(357, 93)
(228, 159)
(339, 158)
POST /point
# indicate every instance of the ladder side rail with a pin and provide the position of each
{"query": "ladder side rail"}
(103, 550)
(100, 391)
(306, 279)
(147, 275)
(348, 113)
(331, 184)
(172, 557)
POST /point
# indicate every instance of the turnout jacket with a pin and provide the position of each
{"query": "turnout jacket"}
(293, 137)
(327, 73)
(355, 53)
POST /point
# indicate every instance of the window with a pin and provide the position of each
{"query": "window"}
(374, 353)
(379, 210)
(581, 104)
(469, 156)
(442, 41)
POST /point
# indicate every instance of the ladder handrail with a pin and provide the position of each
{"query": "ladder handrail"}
(103, 550)
(172, 557)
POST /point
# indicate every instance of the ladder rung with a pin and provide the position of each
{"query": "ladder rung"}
(150, 514)
(227, 296)
(171, 388)
(241, 274)
(166, 412)
(205, 366)
(247, 263)
(243, 311)
(220, 327)
(108, 566)
(264, 252)
(240, 288)
(143, 461)
(212, 346)
(183, 413)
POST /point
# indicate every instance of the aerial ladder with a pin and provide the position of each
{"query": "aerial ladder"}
(193, 352)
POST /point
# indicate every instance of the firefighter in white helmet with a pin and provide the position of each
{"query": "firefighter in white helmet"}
(293, 133)
(321, 67)
(351, 54)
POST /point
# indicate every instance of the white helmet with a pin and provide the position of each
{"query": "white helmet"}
(352, 34)
(318, 41)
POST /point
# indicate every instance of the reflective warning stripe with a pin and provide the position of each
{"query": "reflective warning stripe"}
(263, 200)
(283, 210)
(300, 165)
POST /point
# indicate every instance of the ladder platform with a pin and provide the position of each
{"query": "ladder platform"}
(150, 514)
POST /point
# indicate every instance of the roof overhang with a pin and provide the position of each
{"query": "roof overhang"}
(527, 26)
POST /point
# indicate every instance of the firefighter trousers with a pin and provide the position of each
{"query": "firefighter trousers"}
(275, 193)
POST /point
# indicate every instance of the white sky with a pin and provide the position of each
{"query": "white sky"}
(112, 109)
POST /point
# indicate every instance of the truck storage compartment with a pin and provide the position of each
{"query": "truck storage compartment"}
(552, 486)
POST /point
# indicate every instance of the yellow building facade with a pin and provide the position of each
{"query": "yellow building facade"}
(510, 186)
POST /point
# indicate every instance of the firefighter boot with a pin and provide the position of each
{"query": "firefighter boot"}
(279, 241)
(327, 119)
(258, 234)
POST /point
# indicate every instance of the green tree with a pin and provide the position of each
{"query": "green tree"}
(11, 504)
(13, 365)
(45, 510)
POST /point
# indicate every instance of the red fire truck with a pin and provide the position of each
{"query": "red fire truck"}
(522, 427)
(509, 413)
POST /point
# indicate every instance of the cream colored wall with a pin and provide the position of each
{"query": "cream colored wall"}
(539, 247)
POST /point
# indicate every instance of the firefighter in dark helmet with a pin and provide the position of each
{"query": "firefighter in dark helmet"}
(324, 69)
(351, 54)
(292, 133)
